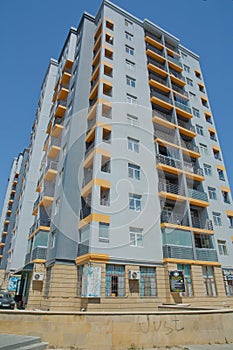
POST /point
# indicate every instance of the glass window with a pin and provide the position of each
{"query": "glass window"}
(196, 112)
(133, 145)
(204, 149)
(217, 219)
(128, 24)
(186, 269)
(131, 99)
(186, 68)
(200, 130)
(135, 201)
(115, 281)
(129, 36)
(222, 247)
(130, 65)
(228, 281)
(133, 120)
(103, 232)
(130, 81)
(212, 193)
(135, 237)
(148, 287)
(207, 169)
(189, 81)
(129, 50)
(208, 279)
(230, 221)
(221, 174)
(134, 171)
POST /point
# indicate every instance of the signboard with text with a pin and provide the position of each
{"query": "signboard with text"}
(176, 279)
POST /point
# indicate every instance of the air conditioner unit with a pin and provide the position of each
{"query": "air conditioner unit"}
(134, 275)
(38, 276)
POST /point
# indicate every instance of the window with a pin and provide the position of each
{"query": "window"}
(203, 241)
(228, 281)
(115, 281)
(208, 279)
(230, 221)
(135, 202)
(135, 235)
(128, 24)
(198, 74)
(79, 280)
(132, 99)
(208, 118)
(204, 102)
(225, 197)
(129, 50)
(213, 136)
(132, 119)
(109, 25)
(186, 68)
(200, 130)
(148, 282)
(192, 95)
(129, 36)
(196, 112)
(207, 170)
(201, 88)
(130, 65)
(134, 171)
(221, 174)
(217, 219)
(217, 154)
(186, 269)
(183, 55)
(189, 81)
(103, 232)
(222, 247)
(212, 193)
(53, 238)
(204, 149)
(133, 145)
(130, 81)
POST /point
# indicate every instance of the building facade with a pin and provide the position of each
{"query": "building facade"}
(133, 185)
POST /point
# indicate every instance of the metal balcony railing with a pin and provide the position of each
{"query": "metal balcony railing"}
(190, 146)
(167, 186)
(173, 48)
(154, 37)
(203, 224)
(164, 116)
(37, 202)
(177, 75)
(193, 169)
(172, 137)
(51, 165)
(174, 60)
(90, 124)
(186, 125)
(159, 80)
(84, 212)
(161, 96)
(89, 149)
(105, 201)
(155, 63)
(39, 222)
(154, 49)
(183, 106)
(175, 163)
(178, 89)
(174, 218)
(197, 195)
(206, 254)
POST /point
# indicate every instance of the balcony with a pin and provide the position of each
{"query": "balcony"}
(156, 67)
(155, 53)
(154, 41)
(190, 148)
(89, 149)
(39, 253)
(60, 108)
(158, 82)
(194, 172)
(171, 191)
(165, 137)
(161, 100)
(50, 170)
(180, 90)
(57, 127)
(199, 198)
(202, 224)
(177, 78)
(183, 106)
(63, 92)
(45, 223)
(186, 129)
(174, 62)
(177, 252)
(204, 254)
(168, 164)
(161, 115)
(54, 147)
(85, 211)
(174, 218)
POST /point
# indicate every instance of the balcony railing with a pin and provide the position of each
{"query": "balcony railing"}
(38, 223)
(164, 116)
(170, 187)
(51, 165)
(87, 178)
(90, 124)
(202, 224)
(154, 49)
(174, 218)
(175, 60)
(200, 195)
(177, 75)
(175, 163)
(159, 80)
(178, 89)
(173, 48)
(104, 201)
(89, 149)
(161, 96)
(205, 254)
(190, 146)
(186, 125)
(192, 169)
(84, 212)
(183, 106)
(166, 137)
(154, 37)
(155, 63)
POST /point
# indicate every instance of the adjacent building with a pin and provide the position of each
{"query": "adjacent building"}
(132, 185)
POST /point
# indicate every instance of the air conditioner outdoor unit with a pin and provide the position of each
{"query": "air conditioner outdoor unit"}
(134, 275)
(38, 276)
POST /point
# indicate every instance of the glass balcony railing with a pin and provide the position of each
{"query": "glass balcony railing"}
(161, 96)
(183, 106)
(206, 254)
(155, 63)
(175, 60)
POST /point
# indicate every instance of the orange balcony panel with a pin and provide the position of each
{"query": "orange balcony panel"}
(68, 64)
(183, 113)
(60, 111)
(154, 55)
(63, 93)
(46, 201)
(50, 175)
(161, 103)
(95, 73)
(57, 130)
(154, 42)
(94, 91)
(163, 122)
(174, 66)
(187, 132)
(4, 233)
(198, 202)
(156, 69)
(49, 127)
(190, 152)
(65, 78)
(169, 169)
(159, 86)
(46, 144)
(2, 245)
(96, 58)
(172, 196)
(177, 80)
(54, 151)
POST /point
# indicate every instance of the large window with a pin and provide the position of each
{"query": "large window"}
(200, 130)
(212, 193)
(209, 282)
(115, 281)
(134, 171)
(133, 145)
(217, 219)
(222, 247)
(204, 149)
(135, 236)
(135, 202)
(207, 170)
(103, 232)
(187, 279)
(148, 282)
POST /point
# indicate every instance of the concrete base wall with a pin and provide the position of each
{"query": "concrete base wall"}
(108, 331)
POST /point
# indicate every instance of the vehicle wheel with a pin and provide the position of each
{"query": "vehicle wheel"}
(12, 307)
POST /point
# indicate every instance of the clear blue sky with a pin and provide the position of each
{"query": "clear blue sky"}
(33, 31)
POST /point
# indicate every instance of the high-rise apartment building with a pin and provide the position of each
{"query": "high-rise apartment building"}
(133, 185)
